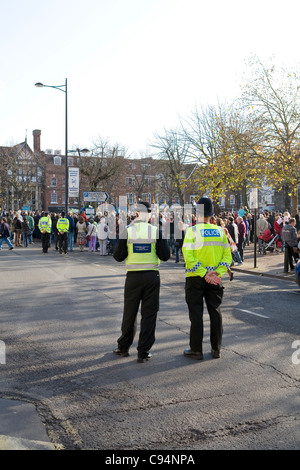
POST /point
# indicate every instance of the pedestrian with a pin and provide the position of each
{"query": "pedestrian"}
(92, 234)
(142, 247)
(233, 232)
(81, 233)
(26, 232)
(207, 257)
(62, 227)
(233, 247)
(290, 238)
(45, 225)
(5, 233)
(31, 227)
(70, 232)
(102, 229)
(18, 229)
(242, 236)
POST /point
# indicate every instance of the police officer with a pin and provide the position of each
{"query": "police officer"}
(207, 255)
(45, 225)
(142, 247)
(62, 227)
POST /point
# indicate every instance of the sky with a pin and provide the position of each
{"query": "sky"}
(134, 67)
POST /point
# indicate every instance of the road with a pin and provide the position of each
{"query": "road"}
(60, 319)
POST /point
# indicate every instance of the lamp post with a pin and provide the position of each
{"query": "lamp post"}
(63, 88)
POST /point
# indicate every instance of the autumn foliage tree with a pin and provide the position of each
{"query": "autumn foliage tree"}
(271, 96)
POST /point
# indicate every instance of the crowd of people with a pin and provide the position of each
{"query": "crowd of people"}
(209, 244)
(20, 228)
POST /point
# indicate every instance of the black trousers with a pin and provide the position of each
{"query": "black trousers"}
(197, 290)
(63, 242)
(45, 241)
(141, 287)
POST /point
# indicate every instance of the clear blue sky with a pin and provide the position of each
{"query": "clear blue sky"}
(133, 66)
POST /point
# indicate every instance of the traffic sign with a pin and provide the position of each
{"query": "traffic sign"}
(95, 196)
(253, 198)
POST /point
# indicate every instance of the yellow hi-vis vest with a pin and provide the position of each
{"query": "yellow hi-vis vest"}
(45, 224)
(206, 248)
(62, 225)
(141, 240)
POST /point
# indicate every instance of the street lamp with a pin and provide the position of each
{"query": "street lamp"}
(63, 88)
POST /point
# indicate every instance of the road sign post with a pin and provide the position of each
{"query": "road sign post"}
(253, 199)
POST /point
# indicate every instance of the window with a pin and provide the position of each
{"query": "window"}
(129, 180)
(146, 197)
(57, 161)
(222, 201)
(53, 198)
(70, 161)
(53, 181)
(146, 166)
(232, 199)
(130, 198)
(147, 181)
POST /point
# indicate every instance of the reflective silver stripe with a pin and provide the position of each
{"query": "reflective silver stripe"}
(226, 245)
(142, 266)
(141, 240)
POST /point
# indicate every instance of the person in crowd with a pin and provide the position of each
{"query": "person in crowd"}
(18, 229)
(26, 232)
(81, 229)
(102, 236)
(71, 232)
(290, 238)
(92, 234)
(5, 234)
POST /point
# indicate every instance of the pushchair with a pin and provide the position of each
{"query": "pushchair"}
(109, 247)
(267, 241)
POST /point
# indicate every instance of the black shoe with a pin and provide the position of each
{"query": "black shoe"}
(11, 248)
(145, 358)
(121, 353)
(193, 354)
(215, 353)
(231, 276)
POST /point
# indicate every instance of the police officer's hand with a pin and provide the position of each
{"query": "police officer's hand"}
(212, 277)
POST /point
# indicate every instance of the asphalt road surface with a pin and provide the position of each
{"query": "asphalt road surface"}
(60, 319)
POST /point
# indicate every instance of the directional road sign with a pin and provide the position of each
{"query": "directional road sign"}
(95, 196)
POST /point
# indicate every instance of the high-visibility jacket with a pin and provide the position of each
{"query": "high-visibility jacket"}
(63, 224)
(141, 241)
(206, 248)
(45, 224)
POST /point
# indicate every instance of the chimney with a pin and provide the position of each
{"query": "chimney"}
(36, 140)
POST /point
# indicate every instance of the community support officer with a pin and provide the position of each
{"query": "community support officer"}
(62, 227)
(207, 255)
(45, 225)
(142, 247)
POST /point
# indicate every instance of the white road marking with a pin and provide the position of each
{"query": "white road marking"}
(252, 313)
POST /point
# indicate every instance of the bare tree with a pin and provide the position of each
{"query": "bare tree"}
(175, 152)
(102, 164)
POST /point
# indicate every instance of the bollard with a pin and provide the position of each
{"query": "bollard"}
(286, 259)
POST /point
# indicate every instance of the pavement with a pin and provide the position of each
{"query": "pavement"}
(20, 425)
